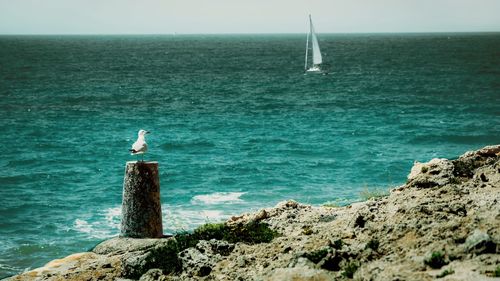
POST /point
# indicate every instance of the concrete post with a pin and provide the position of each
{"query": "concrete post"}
(141, 207)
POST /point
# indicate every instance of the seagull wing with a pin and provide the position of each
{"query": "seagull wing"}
(139, 147)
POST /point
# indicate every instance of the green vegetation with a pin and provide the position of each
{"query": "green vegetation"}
(445, 272)
(372, 244)
(251, 233)
(350, 269)
(367, 194)
(424, 169)
(166, 258)
(436, 260)
(337, 244)
(211, 231)
(497, 272)
(317, 256)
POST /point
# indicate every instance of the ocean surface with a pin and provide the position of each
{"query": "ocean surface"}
(235, 125)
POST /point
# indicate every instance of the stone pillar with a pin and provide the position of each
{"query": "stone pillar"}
(141, 207)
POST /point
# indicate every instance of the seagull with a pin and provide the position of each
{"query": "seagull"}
(140, 146)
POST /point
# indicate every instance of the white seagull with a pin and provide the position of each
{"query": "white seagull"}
(140, 146)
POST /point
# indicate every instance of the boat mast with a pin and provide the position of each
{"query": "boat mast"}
(307, 46)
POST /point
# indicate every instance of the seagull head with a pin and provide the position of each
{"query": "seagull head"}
(142, 133)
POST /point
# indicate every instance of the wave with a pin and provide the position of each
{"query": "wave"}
(94, 230)
(113, 217)
(82, 226)
(218, 198)
(106, 224)
(177, 219)
(9, 267)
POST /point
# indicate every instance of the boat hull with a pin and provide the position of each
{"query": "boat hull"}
(314, 70)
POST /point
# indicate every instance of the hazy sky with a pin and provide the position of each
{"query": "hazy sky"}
(249, 16)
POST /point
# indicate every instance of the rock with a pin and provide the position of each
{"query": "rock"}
(458, 209)
(290, 204)
(198, 261)
(134, 264)
(120, 245)
(162, 255)
(262, 214)
(299, 274)
(154, 274)
(458, 220)
(466, 164)
(479, 242)
(487, 151)
(221, 247)
(195, 263)
(436, 172)
(75, 267)
(241, 261)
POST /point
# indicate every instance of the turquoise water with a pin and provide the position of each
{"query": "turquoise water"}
(235, 124)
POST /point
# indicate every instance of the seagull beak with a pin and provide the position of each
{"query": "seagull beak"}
(147, 132)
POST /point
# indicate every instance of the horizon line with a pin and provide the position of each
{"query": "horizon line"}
(242, 33)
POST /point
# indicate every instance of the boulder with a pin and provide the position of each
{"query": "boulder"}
(195, 263)
(139, 255)
(468, 162)
(479, 242)
(437, 172)
(120, 245)
(200, 260)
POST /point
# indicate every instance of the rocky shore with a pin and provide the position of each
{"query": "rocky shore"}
(444, 223)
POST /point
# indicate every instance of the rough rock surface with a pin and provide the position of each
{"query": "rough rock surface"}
(446, 219)
(141, 208)
(199, 260)
(436, 172)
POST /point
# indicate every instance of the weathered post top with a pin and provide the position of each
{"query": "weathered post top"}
(141, 207)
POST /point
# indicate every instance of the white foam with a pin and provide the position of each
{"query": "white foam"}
(212, 214)
(82, 226)
(113, 217)
(177, 218)
(107, 224)
(219, 198)
(9, 267)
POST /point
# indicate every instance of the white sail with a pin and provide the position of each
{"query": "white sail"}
(317, 60)
(307, 48)
(316, 53)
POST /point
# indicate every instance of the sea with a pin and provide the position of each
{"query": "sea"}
(235, 124)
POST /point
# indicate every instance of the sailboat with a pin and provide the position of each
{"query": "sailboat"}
(316, 52)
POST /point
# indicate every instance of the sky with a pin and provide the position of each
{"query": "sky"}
(245, 16)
